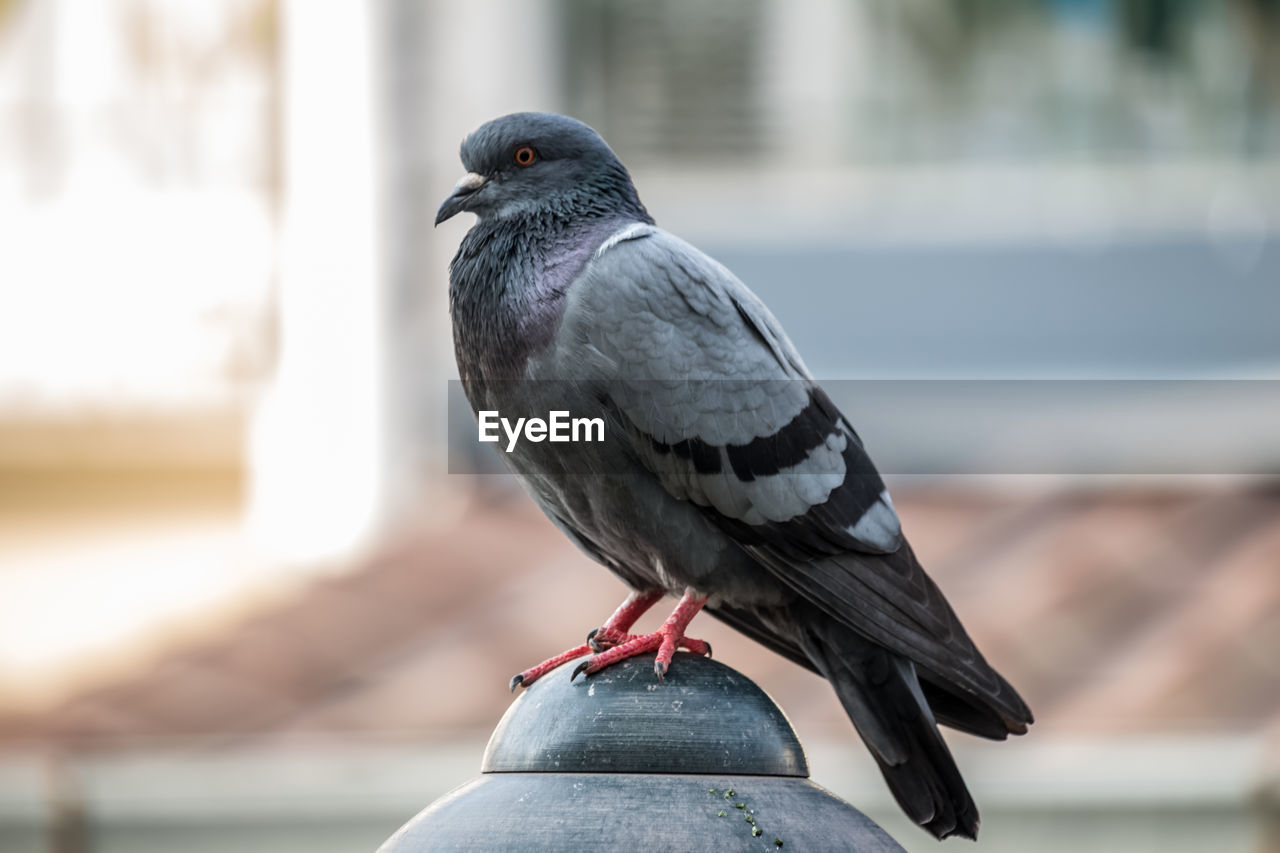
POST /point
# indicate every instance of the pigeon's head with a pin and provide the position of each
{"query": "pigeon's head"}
(531, 164)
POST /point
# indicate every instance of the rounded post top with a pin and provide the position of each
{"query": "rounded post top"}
(701, 761)
(703, 718)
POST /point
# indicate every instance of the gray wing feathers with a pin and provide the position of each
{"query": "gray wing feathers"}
(702, 376)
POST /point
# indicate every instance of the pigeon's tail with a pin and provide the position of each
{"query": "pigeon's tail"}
(881, 694)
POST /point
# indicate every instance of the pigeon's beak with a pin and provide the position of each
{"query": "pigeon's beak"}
(457, 200)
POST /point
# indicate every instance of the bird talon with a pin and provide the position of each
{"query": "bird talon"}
(593, 642)
(659, 669)
(516, 681)
(580, 668)
(708, 645)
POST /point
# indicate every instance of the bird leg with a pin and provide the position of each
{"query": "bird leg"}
(666, 639)
(613, 630)
(613, 635)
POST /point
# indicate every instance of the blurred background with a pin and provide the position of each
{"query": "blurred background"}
(245, 606)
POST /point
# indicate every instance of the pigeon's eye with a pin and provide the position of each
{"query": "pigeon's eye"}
(525, 156)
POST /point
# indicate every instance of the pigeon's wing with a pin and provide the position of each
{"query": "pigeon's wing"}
(716, 403)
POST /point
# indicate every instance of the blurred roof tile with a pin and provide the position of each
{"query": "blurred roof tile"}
(1110, 611)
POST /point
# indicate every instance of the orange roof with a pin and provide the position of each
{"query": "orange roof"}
(1111, 611)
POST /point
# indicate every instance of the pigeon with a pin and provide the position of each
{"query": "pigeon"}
(728, 480)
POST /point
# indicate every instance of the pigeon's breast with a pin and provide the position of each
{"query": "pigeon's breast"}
(508, 285)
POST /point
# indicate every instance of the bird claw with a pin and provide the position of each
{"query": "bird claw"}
(611, 642)
(516, 681)
(603, 639)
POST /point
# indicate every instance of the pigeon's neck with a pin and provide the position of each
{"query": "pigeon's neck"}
(507, 286)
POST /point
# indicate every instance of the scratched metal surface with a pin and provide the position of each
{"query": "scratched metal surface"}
(639, 812)
(704, 718)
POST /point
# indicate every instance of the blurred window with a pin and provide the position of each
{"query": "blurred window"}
(675, 79)
(901, 81)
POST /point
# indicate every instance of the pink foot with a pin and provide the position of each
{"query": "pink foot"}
(666, 640)
(613, 642)
(618, 624)
(599, 641)
(533, 673)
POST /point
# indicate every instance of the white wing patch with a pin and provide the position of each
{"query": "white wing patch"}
(879, 525)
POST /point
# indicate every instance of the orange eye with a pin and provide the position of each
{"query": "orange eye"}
(525, 156)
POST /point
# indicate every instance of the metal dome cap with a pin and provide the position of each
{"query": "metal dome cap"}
(703, 718)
